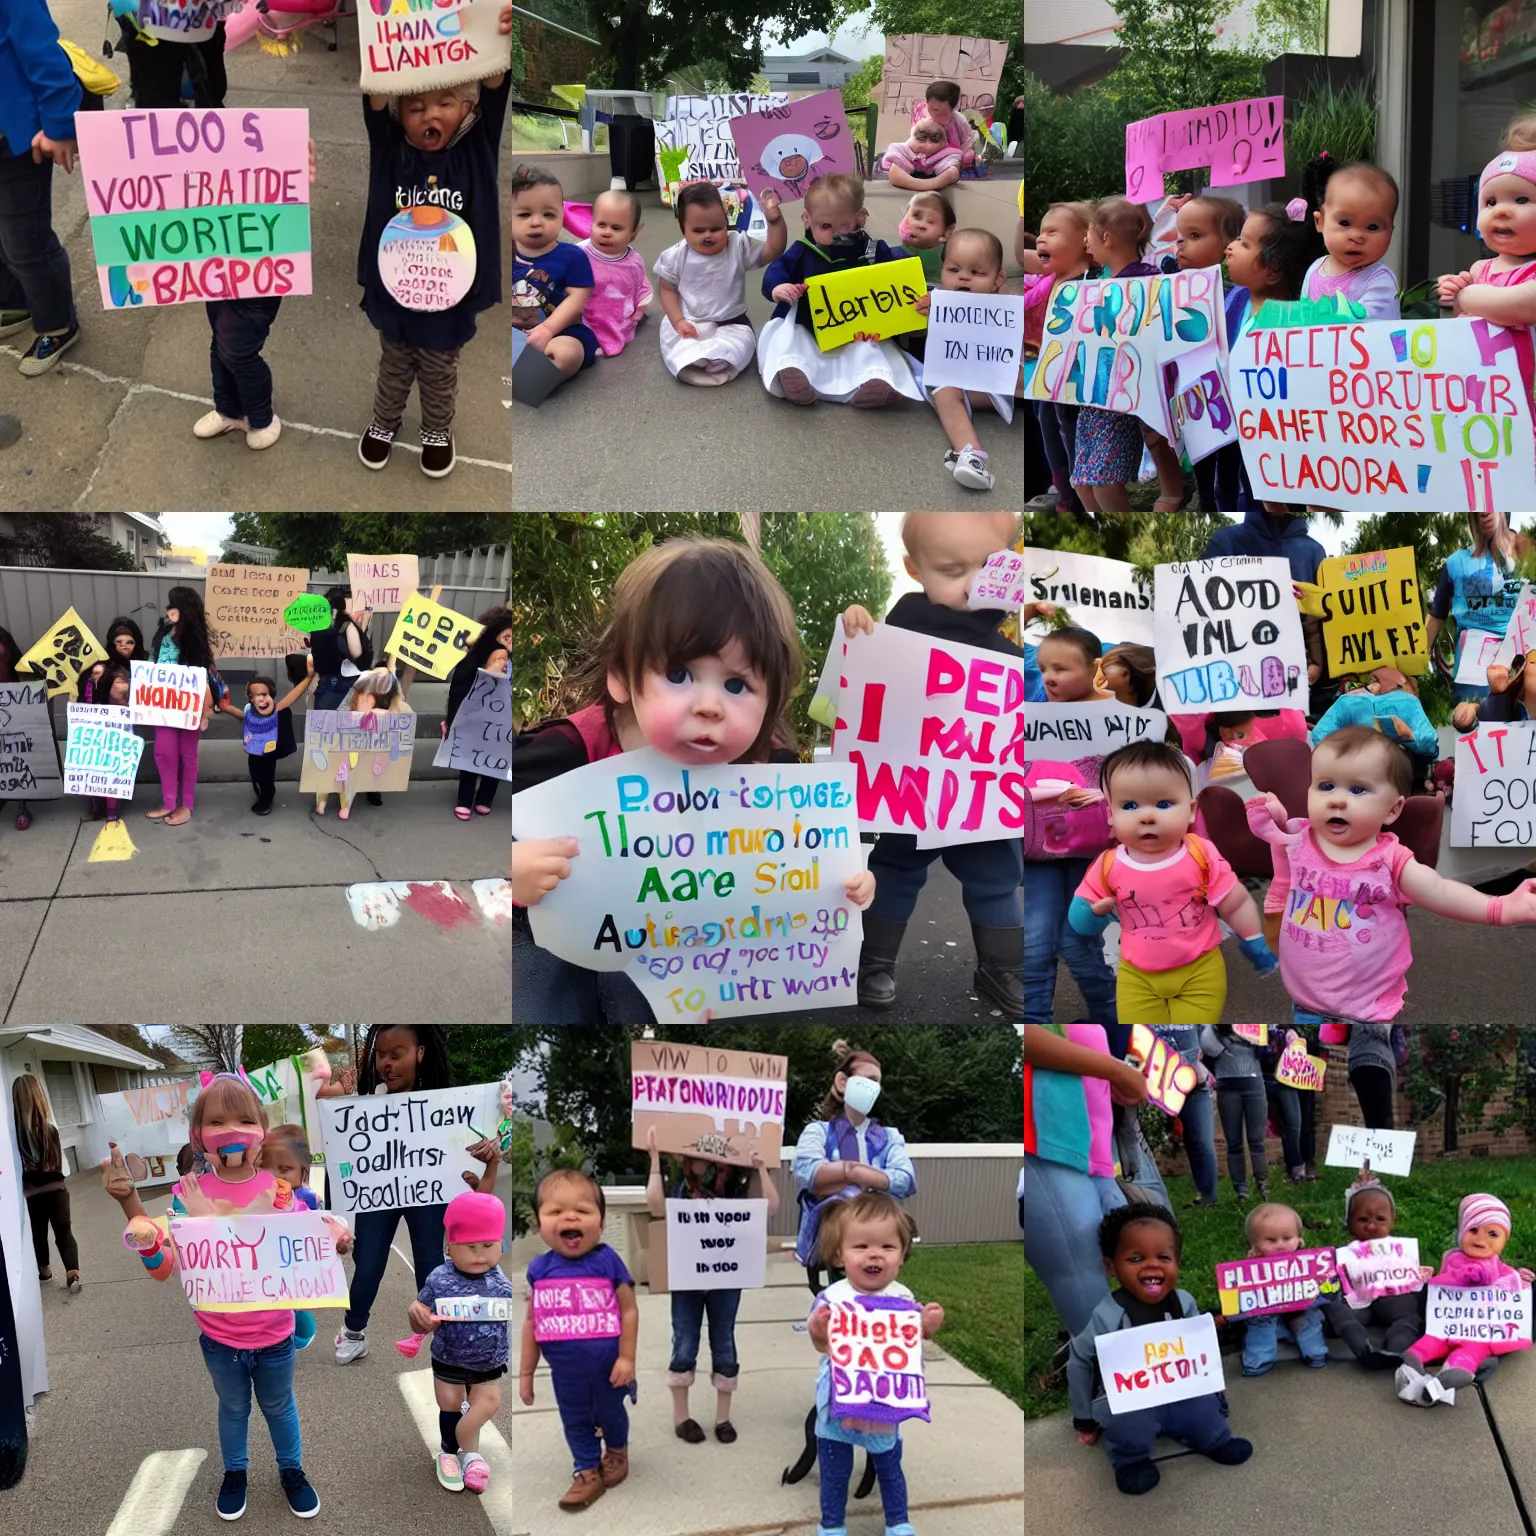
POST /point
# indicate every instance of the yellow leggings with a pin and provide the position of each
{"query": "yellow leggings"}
(1188, 994)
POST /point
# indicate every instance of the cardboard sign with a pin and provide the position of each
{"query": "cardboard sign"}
(694, 140)
(875, 1354)
(1478, 1314)
(876, 301)
(1495, 803)
(308, 613)
(384, 583)
(1227, 635)
(1098, 594)
(246, 606)
(1170, 1079)
(1280, 1282)
(717, 1245)
(472, 1309)
(101, 753)
(1481, 648)
(288, 1092)
(424, 45)
(29, 757)
(349, 753)
(430, 637)
(582, 1308)
(704, 1102)
(1199, 406)
(718, 889)
(68, 649)
(165, 693)
(1386, 1151)
(190, 205)
(936, 732)
(1160, 1363)
(975, 341)
(149, 1126)
(282, 1261)
(480, 738)
(1240, 141)
(1296, 1069)
(1000, 583)
(914, 60)
(1391, 416)
(1381, 1266)
(1372, 614)
(398, 1150)
(784, 149)
(1257, 1033)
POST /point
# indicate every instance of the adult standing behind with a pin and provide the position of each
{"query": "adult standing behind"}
(345, 641)
(42, 1179)
(39, 96)
(181, 640)
(1294, 1110)
(1372, 1071)
(1198, 1114)
(1478, 589)
(492, 650)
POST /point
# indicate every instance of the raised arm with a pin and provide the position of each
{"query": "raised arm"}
(1429, 889)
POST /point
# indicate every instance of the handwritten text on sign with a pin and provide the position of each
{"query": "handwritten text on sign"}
(1199, 407)
(716, 1245)
(999, 583)
(1387, 1151)
(1381, 1266)
(245, 606)
(914, 60)
(187, 206)
(479, 740)
(785, 148)
(424, 45)
(259, 1263)
(975, 341)
(1372, 615)
(67, 650)
(430, 637)
(1297, 1069)
(1280, 1282)
(1170, 1080)
(166, 694)
(577, 1308)
(366, 751)
(1239, 140)
(692, 1096)
(382, 582)
(1482, 648)
(875, 1354)
(29, 759)
(1160, 1363)
(1495, 803)
(1094, 728)
(101, 753)
(149, 1126)
(1227, 634)
(1099, 594)
(877, 302)
(1397, 418)
(1479, 1314)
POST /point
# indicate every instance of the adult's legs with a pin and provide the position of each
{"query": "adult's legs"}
(1373, 1090)
(1062, 1212)
(63, 1233)
(1199, 1141)
(186, 752)
(425, 1225)
(1288, 1113)
(900, 869)
(687, 1325)
(37, 1213)
(1255, 1108)
(1229, 1105)
(168, 764)
(34, 267)
(371, 1235)
(989, 876)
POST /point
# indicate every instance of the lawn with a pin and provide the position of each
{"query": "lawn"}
(978, 1285)
(1426, 1209)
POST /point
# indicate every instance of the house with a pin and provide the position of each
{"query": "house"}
(816, 70)
(141, 535)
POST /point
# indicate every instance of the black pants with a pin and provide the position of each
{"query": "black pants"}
(263, 777)
(1220, 478)
(471, 793)
(1295, 1113)
(242, 381)
(52, 1206)
(34, 267)
(1373, 1088)
(154, 73)
(1401, 1316)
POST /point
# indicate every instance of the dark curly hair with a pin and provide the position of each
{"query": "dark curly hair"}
(696, 194)
(1124, 1216)
(1290, 247)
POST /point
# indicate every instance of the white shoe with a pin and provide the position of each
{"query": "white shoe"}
(215, 425)
(1412, 1385)
(264, 437)
(349, 1349)
(969, 467)
(1435, 1391)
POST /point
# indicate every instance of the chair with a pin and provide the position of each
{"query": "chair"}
(1227, 824)
(1418, 828)
(1284, 767)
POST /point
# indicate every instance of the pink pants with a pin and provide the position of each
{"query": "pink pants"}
(176, 758)
(1462, 1352)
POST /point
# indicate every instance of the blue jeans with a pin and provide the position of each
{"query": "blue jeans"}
(1295, 1109)
(836, 1458)
(1244, 1110)
(331, 692)
(1130, 1437)
(989, 876)
(689, 1309)
(588, 1402)
(242, 382)
(372, 1232)
(270, 1372)
(1263, 1332)
(1198, 1116)
(1047, 934)
(34, 267)
(1062, 1212)
(554, 991)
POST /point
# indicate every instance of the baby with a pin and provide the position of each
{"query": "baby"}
(620, 289)
(1369, 1214)
(552, 282)
(925, 161)
(1272, 1229)
(924, 228)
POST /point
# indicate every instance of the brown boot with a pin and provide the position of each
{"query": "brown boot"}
(587, 1488)
(615, 1467)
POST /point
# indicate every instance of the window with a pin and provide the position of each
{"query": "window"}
(59, 1079)
(805, 77)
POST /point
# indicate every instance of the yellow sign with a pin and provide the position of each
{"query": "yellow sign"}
(112, 844)
(430, 637)
(874, 301)
(1371, 611)
(62, 655)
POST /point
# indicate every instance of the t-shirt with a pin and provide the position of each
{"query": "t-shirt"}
(1476, 592)
(1376, 710)
(602, 1265)
(472, 1346)
(620, 293)
(1374, 286)
(711, 287)
(1069, 1119)
(1164, 922)
(540, 283)
(260, 734)
(243, 1330)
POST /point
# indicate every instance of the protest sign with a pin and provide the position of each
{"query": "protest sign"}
(1199, 407)
(1380, 1266)
(29, 756)
(1387, 1151)
(400, 1150)
(1296, 1069)
(288, 1092)
(1170, 1079)
(189, 205)
(1371, 611)
(181, 16)
(245, 606)
(584, 1307)
(1160, 1363)
(308, 613)
(349, 753)
(1279, 314)
(1257, 1033)
(877, 301)
(1098, 594)
(698, 129)
(480, 738)
(784, 149)
(1482, 648)
(430, 637)
(914, 60)
(1000, 582)
(1239, 140)
(1478, 1314)
(875, 1351)
(426, 45)
(1227, 635)
(1495, 803)
(716, 889)
(1107, 341)
(149, 1126)
(101, 753)
(472, 1309)
(282, 1261)
(67, 650)
(701, 1102)
(1278, 1282)
(383, 583)
(717, 1245)
(829, 683)
(1424, 416)
(165, 693)
(975, 341)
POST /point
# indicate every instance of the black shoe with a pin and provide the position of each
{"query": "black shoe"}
(1231, 1453)
(877, 962)
(726, 1433)
(373, 797)
(302, 1499)
(232, 1496)
(437, 455)
(1139, 1477)
(691, 1431)
(1000, 967)
(262, 808)
(374, 445)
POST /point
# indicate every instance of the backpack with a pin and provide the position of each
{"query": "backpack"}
(1193, 845)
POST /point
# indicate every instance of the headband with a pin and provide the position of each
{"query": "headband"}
(1510, 163)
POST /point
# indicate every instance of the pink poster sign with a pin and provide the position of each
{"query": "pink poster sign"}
(1280, 1282)
(192, 205)
(583, 1308)
(788, 147)
(1239, 140)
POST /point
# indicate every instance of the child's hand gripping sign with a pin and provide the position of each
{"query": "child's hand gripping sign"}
(867, 303)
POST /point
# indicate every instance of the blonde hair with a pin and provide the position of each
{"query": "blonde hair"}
(469, 91)
(1520, 135)
(913, 524)
(839, 186)
(1261, 1212)
(1126, 221)
(35, 1130)
(296, 1140)
(1502, 543)
(1080, 213)
(224, 1096)
(381, 683)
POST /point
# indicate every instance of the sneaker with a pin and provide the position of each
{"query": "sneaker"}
(45, 352)
(1046, 501)
(437, 455)
(449, 1473)
(75, 1285)
(302, 1499)
(231, 1503)
(477, 1473)
(615, 1467)
(263, 437)
(873, 393)
(586, 1488)
(969, 467)
(374, 445)
(796, 386)
(14, 320)
(350, 1346)
(215, 424)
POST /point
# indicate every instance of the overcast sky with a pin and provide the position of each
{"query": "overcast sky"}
(857, 38)
(200, 530)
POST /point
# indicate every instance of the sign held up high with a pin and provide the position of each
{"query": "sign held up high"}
(704, 1102)
(61, 655)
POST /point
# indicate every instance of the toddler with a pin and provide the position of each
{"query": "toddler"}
(620, 290)
(552, 280)
(924, 228)
(706, 337)
(1061, 252)
(1272, 1229)
(1140, 1245)
(1369, 1214)
(926, 159)
(285, 1154)
(941, 103)
(1353, 207)
(593, 1374)
(268, 734)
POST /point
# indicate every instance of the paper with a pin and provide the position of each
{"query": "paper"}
(1481, 648)
(472, 1309)
(1478, 1314)
(717, 1245)
(430, 637)
(1495, 803)
(1258, 1034)
(150, 1127)
(582, 1308)
(480, 738)
(875, 1352)
(877, 302)
(365, 752)
(282, 1261)
(29, 757)
(785, 148)
(1372, 614)
(1199, 404)
(1387, 1151)
(1239, 140)
(308, 613)
(1098, 594)
(101, 752)
(724, 1105)
(975, 341)
(1000, 582)
(384, 583)
(1170, 1079)
(1160, 1363)
(698, 128)
(163, 693)
(1277, 1282)
(1382, 1266)
(914, 60)
(1296, 1069)
(245, 606)
(68, 649)
(420, 46)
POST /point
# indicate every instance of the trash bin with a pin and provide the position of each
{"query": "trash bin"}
(631, 149)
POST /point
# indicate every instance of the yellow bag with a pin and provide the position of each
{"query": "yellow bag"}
(91, 73)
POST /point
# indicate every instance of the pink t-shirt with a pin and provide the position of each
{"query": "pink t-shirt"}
(620, 292)
(1163, 920)
(243, 1330)
(1344, 950)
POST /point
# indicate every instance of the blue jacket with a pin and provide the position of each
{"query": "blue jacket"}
(1261, 534)
(38, 89)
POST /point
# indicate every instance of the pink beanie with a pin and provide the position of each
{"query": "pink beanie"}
(475, 1218)
(1476, 1211)
(1510, 163)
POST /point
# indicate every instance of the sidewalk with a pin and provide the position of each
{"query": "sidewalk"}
(963, 1470)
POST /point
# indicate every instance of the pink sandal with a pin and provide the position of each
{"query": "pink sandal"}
(476, 1473)
(482, 810)
(462, 812)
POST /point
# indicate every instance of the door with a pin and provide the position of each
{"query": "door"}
(64, 1099)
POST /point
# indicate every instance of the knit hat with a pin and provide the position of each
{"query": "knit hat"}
(1478, 1211)
(1510, 163)
(475, 1218)
(1367, 1187)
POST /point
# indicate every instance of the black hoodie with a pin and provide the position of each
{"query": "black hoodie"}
(978, 626)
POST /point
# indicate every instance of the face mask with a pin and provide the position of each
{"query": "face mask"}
(861, 1093)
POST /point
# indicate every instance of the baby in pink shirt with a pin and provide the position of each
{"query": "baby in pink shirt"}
(620, 287)
(1344, 884)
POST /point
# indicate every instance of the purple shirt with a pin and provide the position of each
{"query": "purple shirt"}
(472, 1346)
(601, 1264)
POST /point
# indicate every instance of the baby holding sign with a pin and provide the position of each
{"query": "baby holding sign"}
(1369, 1214)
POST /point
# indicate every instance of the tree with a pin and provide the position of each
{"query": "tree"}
(65, 541)
(480, 1053)
(321, 541)
(1299, 26)
(216, 1046)
(265, 1043)
(1455, 1073)
(860, 85)
(1171, 50)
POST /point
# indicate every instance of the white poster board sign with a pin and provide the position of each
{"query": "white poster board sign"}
(717, 1245)
(1063, 733)
(1097, 594)
(1160, 1363)
(164, 693)
(480, 738)
(29, 758)
(1495, 801)
(150, 1127)
(384, 583)
(1482, 648)
(271, 1262)
(101, 752)
(1478, 1314)
(975, 341)
(1387, 1151)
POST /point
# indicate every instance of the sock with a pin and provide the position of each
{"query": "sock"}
(448, 1431)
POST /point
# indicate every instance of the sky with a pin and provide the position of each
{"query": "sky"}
(851, 39)
(200, 530)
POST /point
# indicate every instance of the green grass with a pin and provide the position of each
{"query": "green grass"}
(538, 134)
(978, 1286)
(1426, 1209)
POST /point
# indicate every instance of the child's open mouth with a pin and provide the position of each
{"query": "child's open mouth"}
(1338, 825)
(1153, 1285)
(571, 1238)
(873, 1271)
(704, 744)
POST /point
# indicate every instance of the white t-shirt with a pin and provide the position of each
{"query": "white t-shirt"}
(711, 287)
(183, 21)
